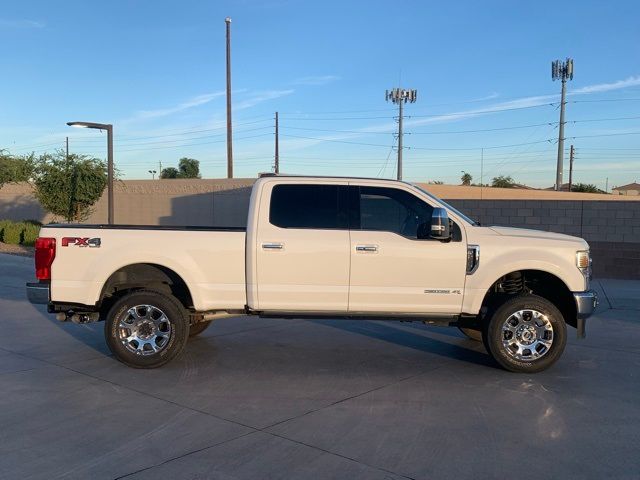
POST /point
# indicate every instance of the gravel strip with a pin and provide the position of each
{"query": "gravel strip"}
(16, 250)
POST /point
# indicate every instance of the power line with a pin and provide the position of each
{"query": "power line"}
(606, 135)
(420, 148)
(190, 144)
(129, 139)
(477, 112)
(337, 141)
(485, 148)
(607, 100)
(613, 119)
(189, 139)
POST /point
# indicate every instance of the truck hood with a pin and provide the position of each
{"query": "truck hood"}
(526, 233)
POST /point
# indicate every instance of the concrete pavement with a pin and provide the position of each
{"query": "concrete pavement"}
(255, 398)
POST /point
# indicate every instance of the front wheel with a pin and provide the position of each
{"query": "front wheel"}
(526, 334)
(146, 329)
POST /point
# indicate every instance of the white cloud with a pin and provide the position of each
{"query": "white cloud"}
(632, 81)
(8, 23)
(259, 97)
(491, 96)
(524, 102)
(315, 80)
(191, 103)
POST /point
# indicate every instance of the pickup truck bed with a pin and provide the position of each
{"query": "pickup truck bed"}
(209, 259)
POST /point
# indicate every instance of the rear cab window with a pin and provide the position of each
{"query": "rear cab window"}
(309, 206)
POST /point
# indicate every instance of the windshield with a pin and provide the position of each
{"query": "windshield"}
(449, 207)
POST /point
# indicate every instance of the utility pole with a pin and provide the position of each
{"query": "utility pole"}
(562, 71)
(229, 132)
(67, 143)
(481, 171)
(606, 186)
(110, 175)
(276, 168)
(400, 96)
(159, 169)
(571, 154)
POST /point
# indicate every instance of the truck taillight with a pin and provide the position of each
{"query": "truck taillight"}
(45, 253)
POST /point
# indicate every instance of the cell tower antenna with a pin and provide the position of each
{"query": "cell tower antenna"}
(400, 96)
(562, 71)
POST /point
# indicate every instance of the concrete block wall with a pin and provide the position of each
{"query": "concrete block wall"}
(611, 228)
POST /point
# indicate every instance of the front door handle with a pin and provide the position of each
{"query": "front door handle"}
(272, 246)
(366, 248)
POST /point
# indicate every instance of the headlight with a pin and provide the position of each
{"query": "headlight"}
(583, 260)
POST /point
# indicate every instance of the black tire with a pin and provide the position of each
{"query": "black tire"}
(198, 328)
(471, 334)
(514, 357)
(169, 338)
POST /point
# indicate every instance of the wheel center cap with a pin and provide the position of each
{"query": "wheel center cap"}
(146, 329)
(526, 335)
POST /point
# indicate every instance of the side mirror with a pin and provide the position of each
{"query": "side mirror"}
(440, 224)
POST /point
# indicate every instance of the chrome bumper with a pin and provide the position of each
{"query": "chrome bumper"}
(38, 293)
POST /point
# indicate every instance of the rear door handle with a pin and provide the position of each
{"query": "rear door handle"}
(366, 248)
(272, 246)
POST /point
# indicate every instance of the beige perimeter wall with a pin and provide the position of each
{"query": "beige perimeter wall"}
(610, 223)
(223, 201)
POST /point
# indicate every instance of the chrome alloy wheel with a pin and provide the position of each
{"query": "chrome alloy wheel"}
(527, 335)
(144, 330)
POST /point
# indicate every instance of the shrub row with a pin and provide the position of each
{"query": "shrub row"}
(19, 233)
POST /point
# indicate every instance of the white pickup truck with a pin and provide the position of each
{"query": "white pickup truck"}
(321, 247)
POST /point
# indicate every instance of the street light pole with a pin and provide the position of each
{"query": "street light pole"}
(110, 174)
(277, 153)
(109, 128)
(229, 130)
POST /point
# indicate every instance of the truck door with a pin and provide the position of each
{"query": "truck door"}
(302, 251)
(391, 269)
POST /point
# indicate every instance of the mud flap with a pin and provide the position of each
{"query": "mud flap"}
(581, 327)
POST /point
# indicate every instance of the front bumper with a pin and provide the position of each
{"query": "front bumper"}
(38, 293)
(586, 303)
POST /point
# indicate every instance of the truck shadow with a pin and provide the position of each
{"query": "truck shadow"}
(227, 208)
(390, 333)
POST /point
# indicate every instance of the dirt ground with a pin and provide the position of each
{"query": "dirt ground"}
(16, 250)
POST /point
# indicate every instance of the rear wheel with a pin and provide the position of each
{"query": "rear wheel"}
(526, 334)
(146, 329)
(198, 328)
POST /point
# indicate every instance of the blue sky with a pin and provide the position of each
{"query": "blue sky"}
(156, 70)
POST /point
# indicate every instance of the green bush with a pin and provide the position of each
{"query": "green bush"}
(12, 233)
(30, 234)
(17, 233)
(33, 222)
(3, 225)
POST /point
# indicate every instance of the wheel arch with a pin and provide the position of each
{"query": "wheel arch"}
(538, 282)
(150, 276)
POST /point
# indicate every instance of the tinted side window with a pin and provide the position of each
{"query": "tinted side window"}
(308, 206)
(392, 210)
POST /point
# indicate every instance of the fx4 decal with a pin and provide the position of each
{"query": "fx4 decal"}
(81, 242)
